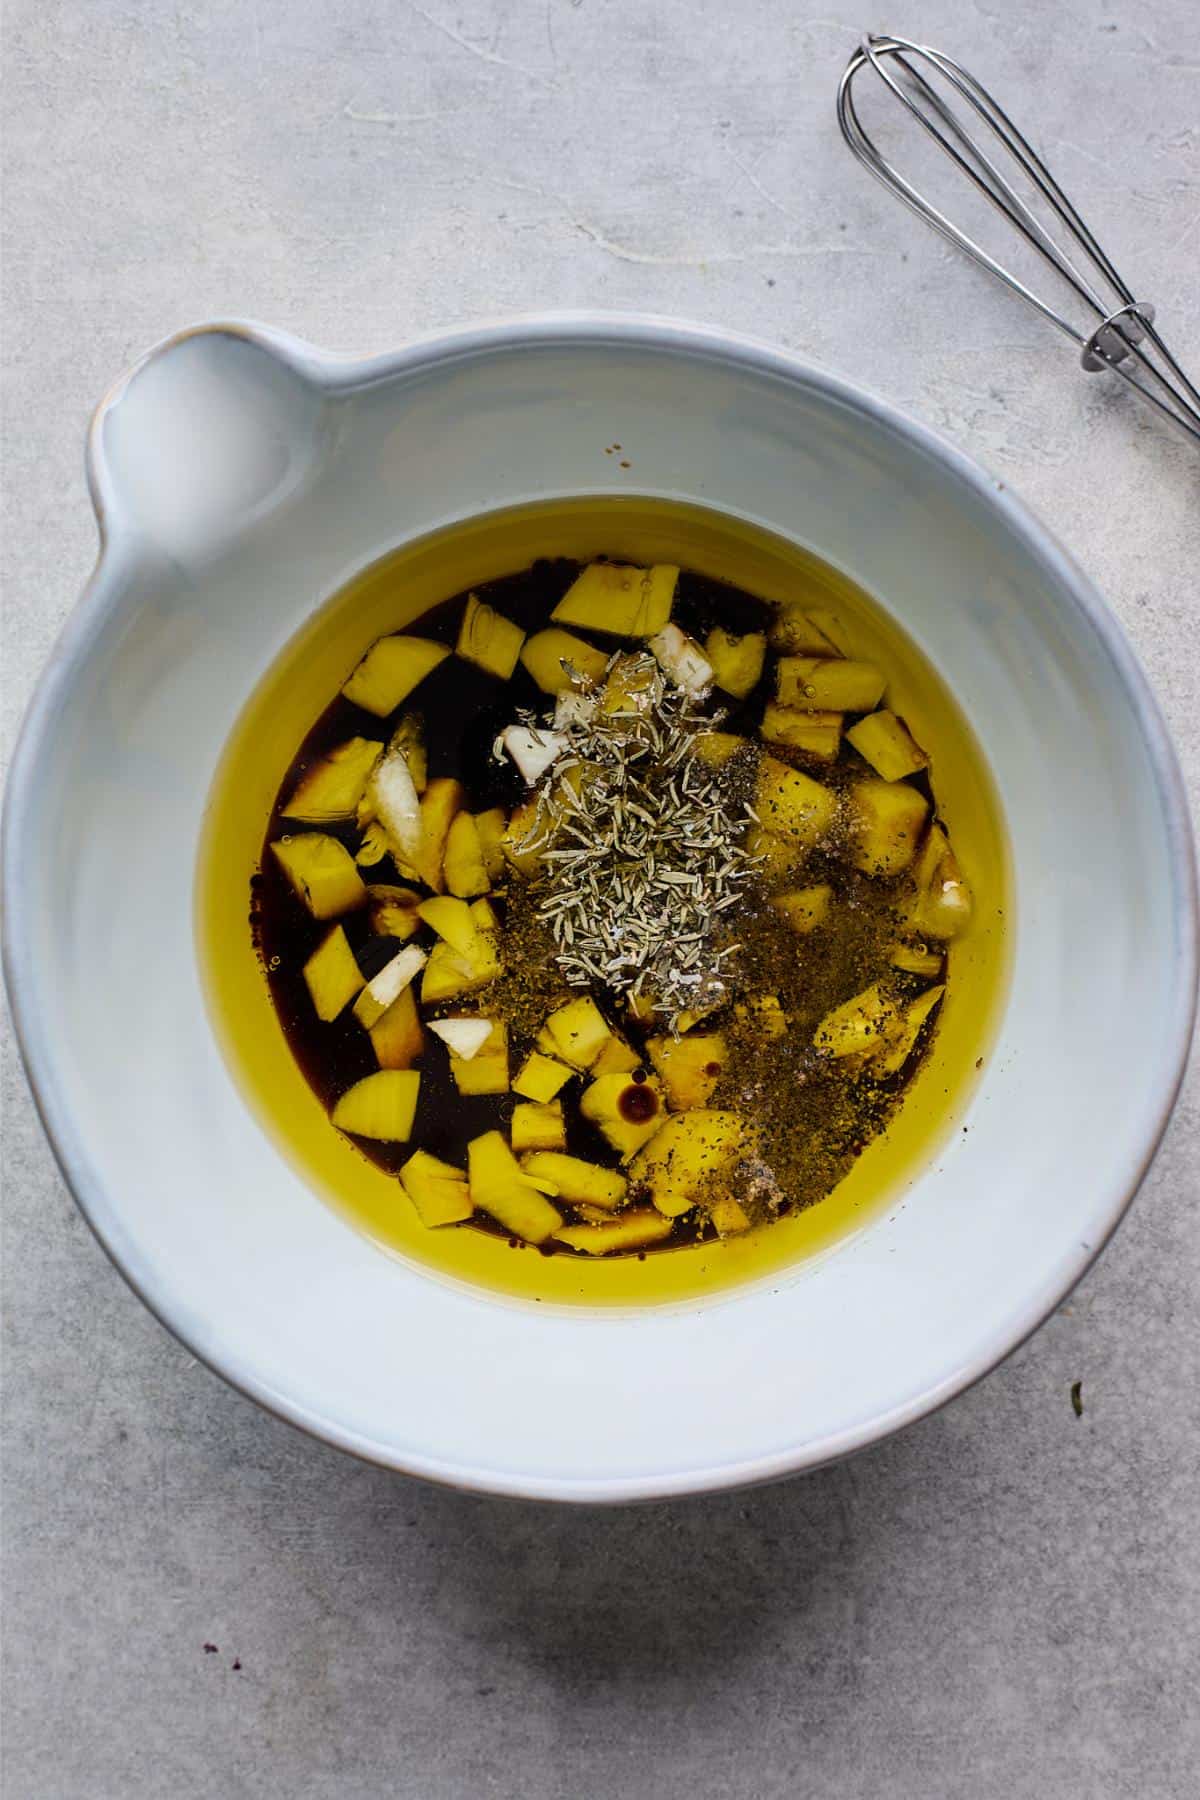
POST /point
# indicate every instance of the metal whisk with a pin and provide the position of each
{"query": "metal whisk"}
(1117, 331)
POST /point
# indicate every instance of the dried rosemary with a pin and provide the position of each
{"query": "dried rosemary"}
(640, 842)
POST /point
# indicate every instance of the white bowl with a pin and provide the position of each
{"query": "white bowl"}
(239, 478)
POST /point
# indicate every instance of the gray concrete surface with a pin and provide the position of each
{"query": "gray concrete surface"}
(1005, 1601)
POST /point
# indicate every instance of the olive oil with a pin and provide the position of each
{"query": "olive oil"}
(517, 561)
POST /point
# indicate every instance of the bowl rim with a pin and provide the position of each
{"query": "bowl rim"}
(339, 374)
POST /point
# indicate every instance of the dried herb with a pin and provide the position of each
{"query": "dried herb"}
(640, 840)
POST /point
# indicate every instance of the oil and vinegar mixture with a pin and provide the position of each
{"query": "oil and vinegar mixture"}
(631, 919)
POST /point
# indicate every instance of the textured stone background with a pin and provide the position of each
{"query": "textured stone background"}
(1004, 1601)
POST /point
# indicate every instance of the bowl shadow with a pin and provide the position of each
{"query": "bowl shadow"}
(663, 1597)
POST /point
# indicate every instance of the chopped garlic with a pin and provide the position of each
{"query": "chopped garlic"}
(681, 657)
(397, 804)
(395, 975)
(463, 1038)
(574, 708)
(533, 751)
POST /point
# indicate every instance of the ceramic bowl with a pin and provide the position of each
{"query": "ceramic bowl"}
(239, 477)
